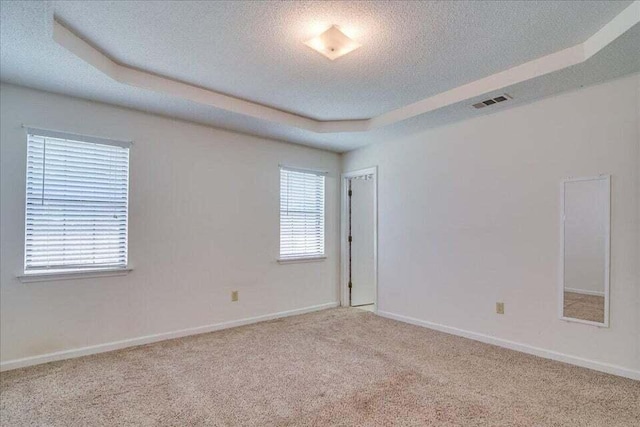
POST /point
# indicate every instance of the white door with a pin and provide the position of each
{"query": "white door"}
(362, 245)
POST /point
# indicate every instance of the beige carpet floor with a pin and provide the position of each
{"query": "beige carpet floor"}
(585, 307)
(342, 367)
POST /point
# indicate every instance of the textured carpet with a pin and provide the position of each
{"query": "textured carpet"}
(336, 367)
(585, 307)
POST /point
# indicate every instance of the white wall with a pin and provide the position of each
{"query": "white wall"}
(469, 215)
(203, 221)
(585, 206)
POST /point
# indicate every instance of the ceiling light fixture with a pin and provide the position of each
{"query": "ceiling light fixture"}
(333, 43)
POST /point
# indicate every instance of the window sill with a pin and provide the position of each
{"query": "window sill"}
(301, 259)
(70, 275)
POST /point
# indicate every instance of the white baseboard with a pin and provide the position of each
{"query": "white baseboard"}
(132, 342)
(584, 292)
(524, 348)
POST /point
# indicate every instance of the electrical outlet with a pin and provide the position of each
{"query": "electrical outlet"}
(234, 296)
(500, 307)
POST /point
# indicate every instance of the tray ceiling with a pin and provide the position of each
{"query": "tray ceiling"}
(254, 51)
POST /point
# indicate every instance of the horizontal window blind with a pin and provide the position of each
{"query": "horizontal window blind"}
(301, 214)
(76, 205)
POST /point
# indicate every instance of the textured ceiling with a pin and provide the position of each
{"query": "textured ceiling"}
(254, 50)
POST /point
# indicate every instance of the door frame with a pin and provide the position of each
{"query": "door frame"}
(344, 248)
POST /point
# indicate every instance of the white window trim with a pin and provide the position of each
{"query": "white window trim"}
(296, 260)
(76, 136)
(321, 172)
(70, 275)
(304, 258)
(44, 276)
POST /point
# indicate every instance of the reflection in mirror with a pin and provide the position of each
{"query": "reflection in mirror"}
(585, 287)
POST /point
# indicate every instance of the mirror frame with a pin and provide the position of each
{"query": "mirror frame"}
(607, 179)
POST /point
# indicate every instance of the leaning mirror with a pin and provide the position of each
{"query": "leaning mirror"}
(584, 291)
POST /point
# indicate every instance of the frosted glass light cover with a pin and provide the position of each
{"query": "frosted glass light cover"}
(333, 43)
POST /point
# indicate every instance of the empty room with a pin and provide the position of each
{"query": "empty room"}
(319, 213)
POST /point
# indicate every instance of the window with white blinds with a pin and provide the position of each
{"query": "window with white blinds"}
(76, 203)
(301, 214)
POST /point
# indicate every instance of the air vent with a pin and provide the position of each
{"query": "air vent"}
(492, 101)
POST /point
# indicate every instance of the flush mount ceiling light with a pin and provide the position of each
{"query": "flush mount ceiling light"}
(333, 43)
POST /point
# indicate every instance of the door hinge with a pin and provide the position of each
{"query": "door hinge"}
(350, 239)
(350, 193)
(350, 285)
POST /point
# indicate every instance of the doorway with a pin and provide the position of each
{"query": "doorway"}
(359, 239)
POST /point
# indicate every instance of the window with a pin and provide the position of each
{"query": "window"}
(301, 214)
(76, 203)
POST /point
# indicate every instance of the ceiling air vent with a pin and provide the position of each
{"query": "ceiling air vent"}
(492, 101)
